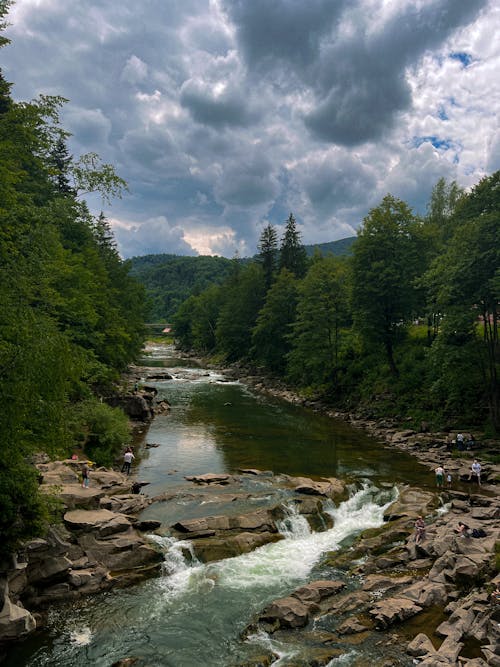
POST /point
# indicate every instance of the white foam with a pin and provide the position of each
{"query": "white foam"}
(81, 636)
(281, 563)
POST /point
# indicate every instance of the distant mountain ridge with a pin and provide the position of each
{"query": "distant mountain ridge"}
(171, 279)
(337, 248)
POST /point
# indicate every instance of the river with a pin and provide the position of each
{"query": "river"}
(195, 613)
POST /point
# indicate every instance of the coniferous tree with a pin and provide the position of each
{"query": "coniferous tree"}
(268, 253)
(293, 255)
(61, 160)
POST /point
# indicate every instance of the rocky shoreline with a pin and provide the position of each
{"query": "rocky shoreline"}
(400, 579)
(385, 580)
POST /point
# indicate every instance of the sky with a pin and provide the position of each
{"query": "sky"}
(226, 115)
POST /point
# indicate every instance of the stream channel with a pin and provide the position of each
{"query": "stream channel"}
(194, 613)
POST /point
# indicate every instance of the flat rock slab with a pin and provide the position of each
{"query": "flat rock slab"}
(210, 478)
(103, 521)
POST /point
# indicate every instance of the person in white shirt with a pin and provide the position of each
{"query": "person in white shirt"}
(127, 460)
(476, 470)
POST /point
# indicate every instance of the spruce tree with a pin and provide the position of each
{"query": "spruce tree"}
(293, 255)
(268, 253)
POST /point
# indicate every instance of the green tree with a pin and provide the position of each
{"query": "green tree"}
(243, 298)
(322, 315)
(385, 263)
(464, 283)
(268, 253)
(270, 339)
(293, 255)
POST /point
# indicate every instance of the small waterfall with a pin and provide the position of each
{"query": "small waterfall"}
(293, 524)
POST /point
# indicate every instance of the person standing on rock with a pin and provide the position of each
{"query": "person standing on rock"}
(439, 476)
(476, 471)
(85, 476)
(128, 457)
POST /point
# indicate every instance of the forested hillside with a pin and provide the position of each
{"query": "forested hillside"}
(71, 317)
(171, 279)
(406, 325)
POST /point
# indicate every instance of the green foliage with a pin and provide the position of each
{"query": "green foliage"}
(169, 280)
(243, 297)
(91, 175)
(293, 254)
(318, 331)
(24, 510)
(268, 253)
(385, 264)
(270, 339)
(71, 317)
(103, 429)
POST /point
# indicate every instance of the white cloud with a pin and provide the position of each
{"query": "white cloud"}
(225, 114)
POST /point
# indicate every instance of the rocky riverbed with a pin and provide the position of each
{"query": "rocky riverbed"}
(430, 601)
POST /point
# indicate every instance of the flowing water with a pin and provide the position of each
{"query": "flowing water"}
(195, 613)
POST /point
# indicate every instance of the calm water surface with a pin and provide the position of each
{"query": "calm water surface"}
(195, 613)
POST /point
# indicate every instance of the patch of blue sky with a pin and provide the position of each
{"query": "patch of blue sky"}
(442, 113)
(462, 57)
(440, 144)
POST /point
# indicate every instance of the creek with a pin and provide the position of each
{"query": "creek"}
(195, 613)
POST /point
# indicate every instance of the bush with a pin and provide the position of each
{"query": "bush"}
(106, 430)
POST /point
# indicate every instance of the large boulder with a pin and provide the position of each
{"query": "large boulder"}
(393, 610)
(101, 522)
(287, 612)
(15, 621)
(209, 549)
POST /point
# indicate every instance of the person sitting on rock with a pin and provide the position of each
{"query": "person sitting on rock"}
(495, 596)
(419, 530)
(463, 529)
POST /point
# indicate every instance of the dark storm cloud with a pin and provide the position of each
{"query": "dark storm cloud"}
(209, 108)
(282, 31)
(224, 115)
(353, 69)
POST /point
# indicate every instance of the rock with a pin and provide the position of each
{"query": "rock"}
(210, 478)
(381, 583)
(135, 406)
(147, 525)
(48, 570)
(129, 503)
(352, 626)
(15, 621)
(121, 552)
(209, 549)
(329, 488)
(318, 590)
(393, 610)
(287, 612)
(421, 645)
(102, 521)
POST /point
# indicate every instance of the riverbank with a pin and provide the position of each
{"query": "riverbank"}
(444, 571)
(97, 544)
(366, 604)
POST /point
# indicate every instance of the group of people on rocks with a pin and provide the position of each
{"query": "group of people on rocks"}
(128, 457)
(440, 472)
(462, 442)
(462, 529)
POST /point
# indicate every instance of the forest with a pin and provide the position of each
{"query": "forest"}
(404, 326)
(171, 279)
(71, 317)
